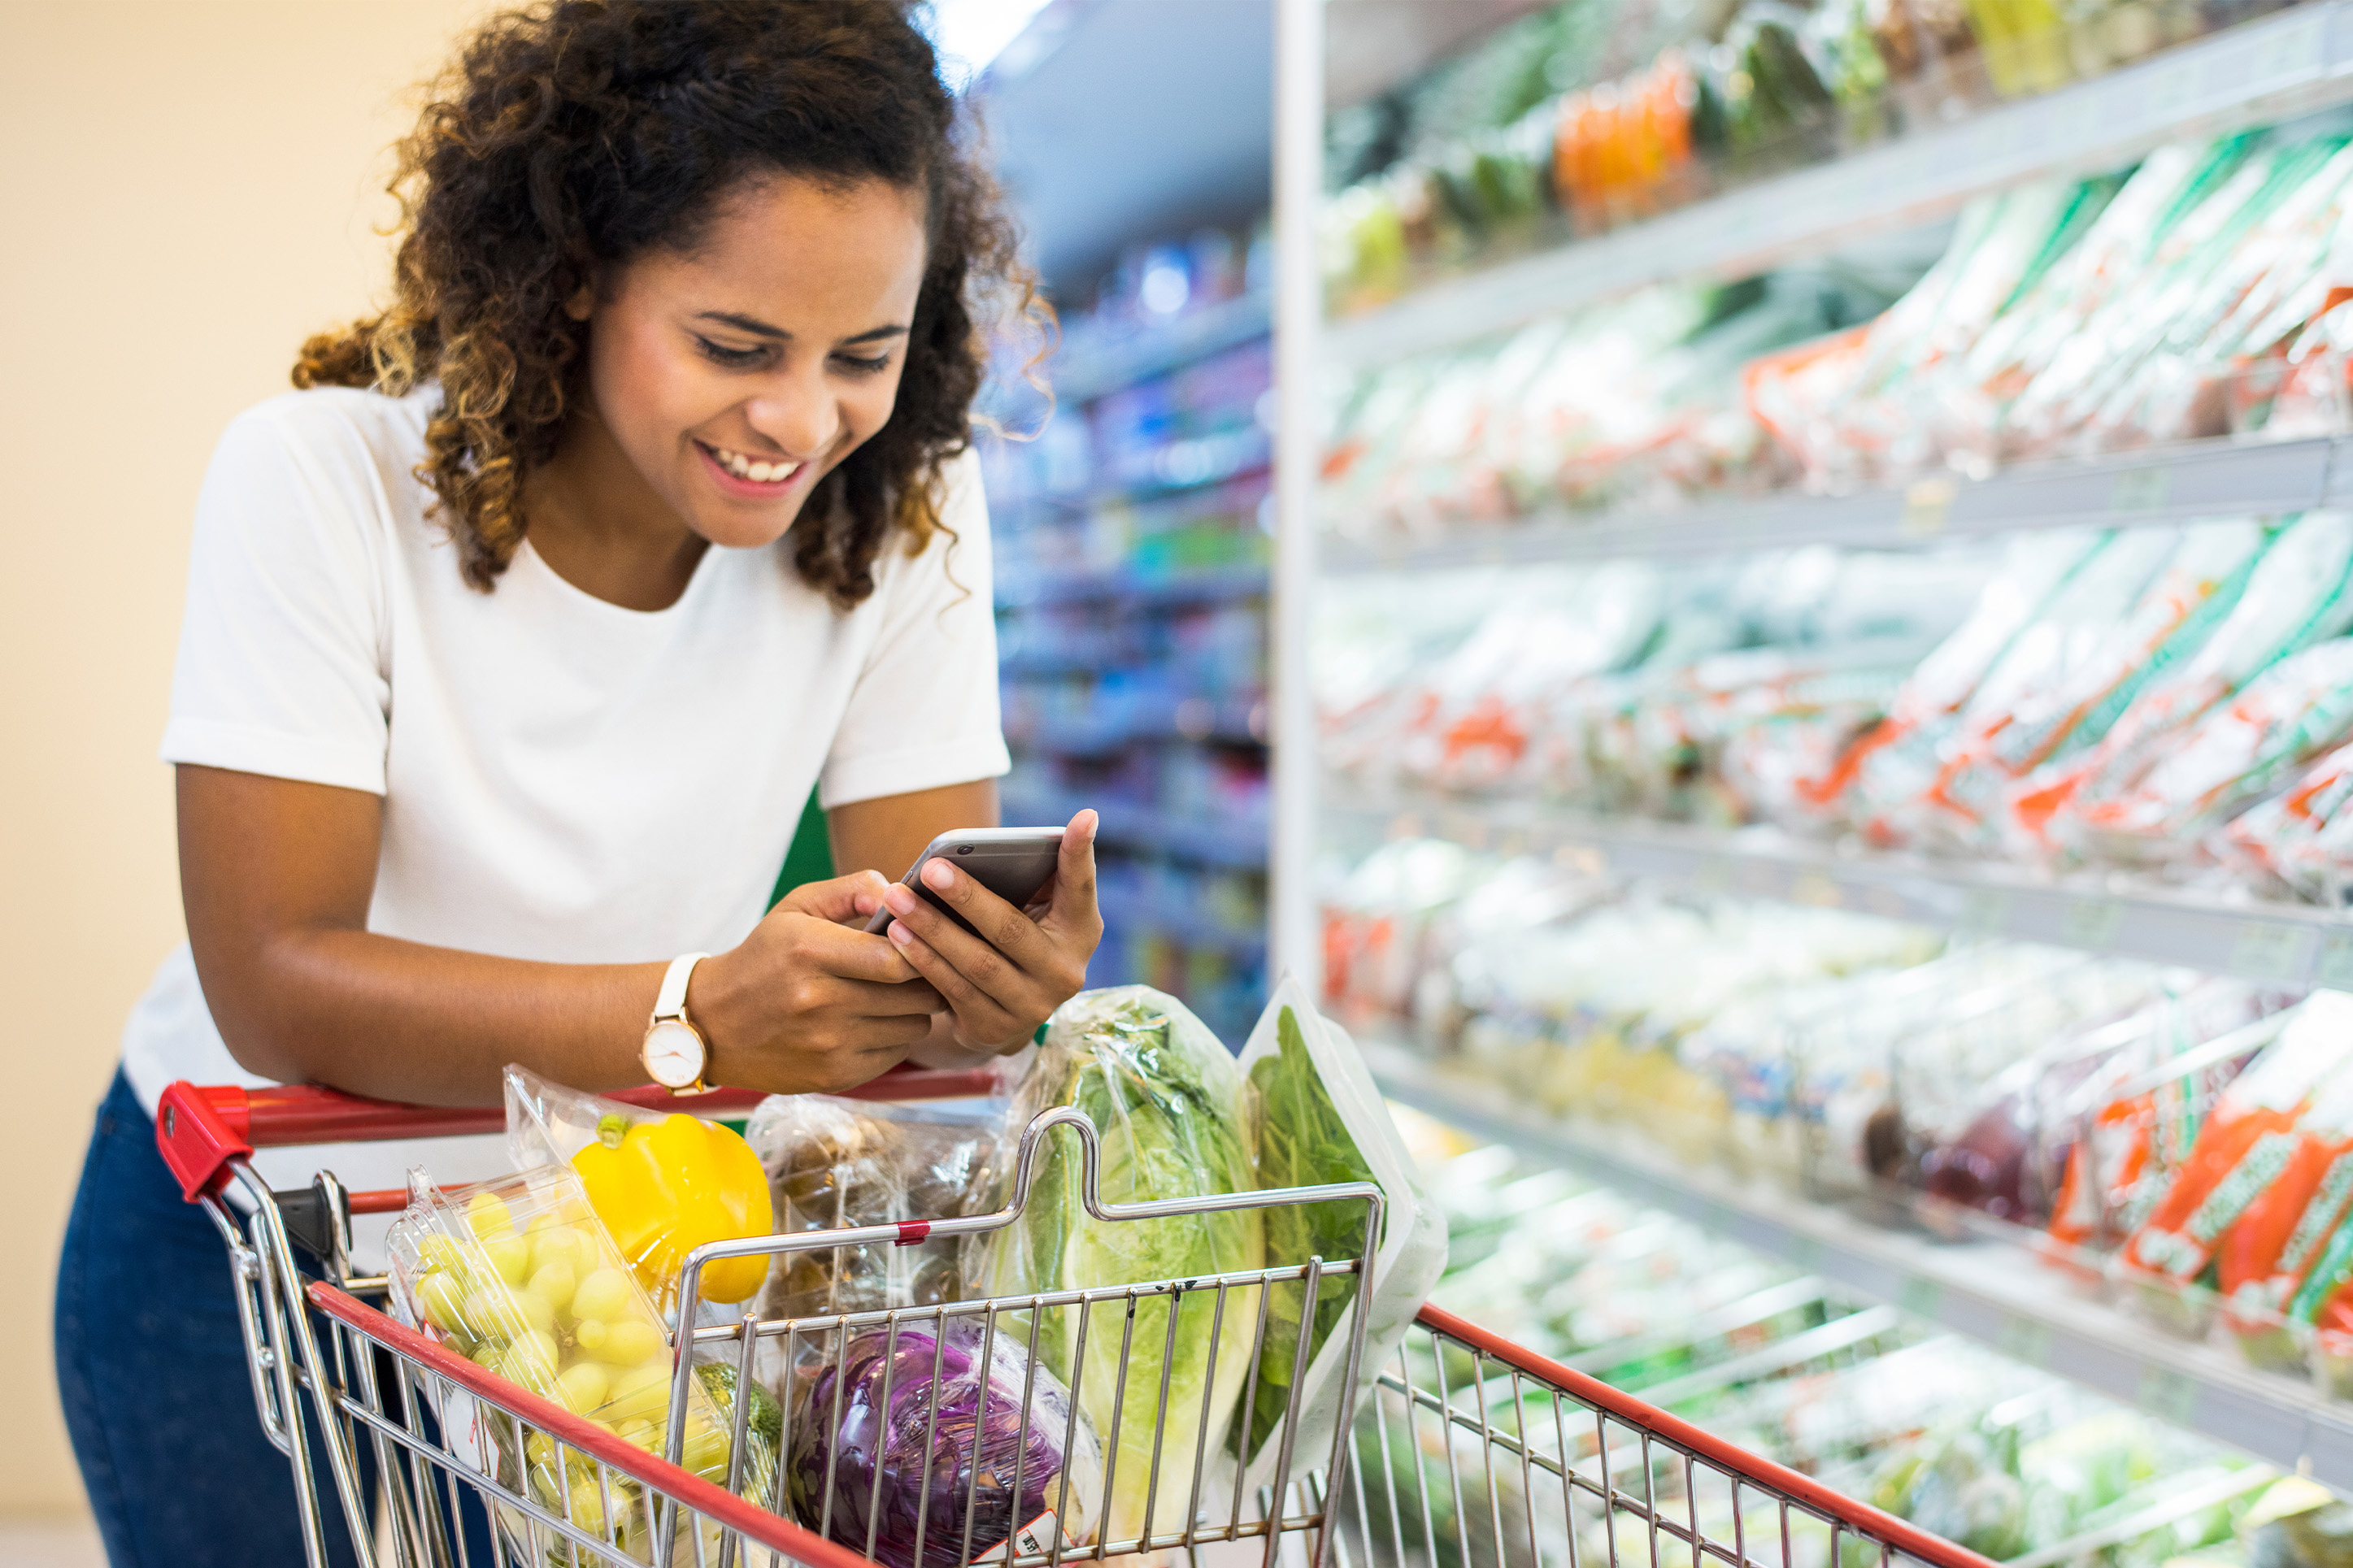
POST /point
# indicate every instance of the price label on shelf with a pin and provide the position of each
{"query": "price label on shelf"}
(2168, 1396)
(2092, 923)
(2140, 490)
(2270, 950)
(2335, 969)
(1927, 504)
(1804, 1251)
(1922, 1297)
(1712, 874)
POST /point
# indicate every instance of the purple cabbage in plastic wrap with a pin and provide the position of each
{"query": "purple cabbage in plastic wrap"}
(936, 1386)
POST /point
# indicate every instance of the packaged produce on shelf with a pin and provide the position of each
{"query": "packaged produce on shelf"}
(2236, 754)
(2198, 293)
(1583, 117)
(2272, 1136)
(841, 1165)
(2101, 1101)
(2298, 593)
(1316, 1118)
(1587, 1016)
(520, 1276)
(2010, 1132)
(938, 1445)
(2111, 698)
(1167, 1097)
(2007, 1461)
(662, 1183)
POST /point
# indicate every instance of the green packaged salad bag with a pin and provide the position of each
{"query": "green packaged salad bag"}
(1316, 1118)
(1167, 1097)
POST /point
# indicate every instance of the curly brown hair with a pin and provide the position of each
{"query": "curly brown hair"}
(577, 135)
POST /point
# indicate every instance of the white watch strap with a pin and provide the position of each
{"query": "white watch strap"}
(672, 1002)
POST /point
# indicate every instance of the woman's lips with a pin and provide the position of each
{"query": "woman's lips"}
(740, 474)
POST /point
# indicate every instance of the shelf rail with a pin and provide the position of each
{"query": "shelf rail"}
(2256, 940)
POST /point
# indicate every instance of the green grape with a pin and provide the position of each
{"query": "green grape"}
(606, 1295)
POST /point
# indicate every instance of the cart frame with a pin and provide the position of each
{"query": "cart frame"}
(1338, 1512)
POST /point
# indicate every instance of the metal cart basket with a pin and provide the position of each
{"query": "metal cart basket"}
(1465, 1451)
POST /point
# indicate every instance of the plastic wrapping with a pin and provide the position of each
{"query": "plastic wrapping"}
(519, 1276)
(836, 1164)
(1167, 1098)
(2240, 752)
(1316, 1118)
(2249, 1143)
(922, 1431)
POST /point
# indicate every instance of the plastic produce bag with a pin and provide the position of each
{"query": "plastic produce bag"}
(663, 1182)
(919, 1438)
(1167, 1097)
(2298, 594)
(1316, 1118)
(2249, 1144)
(837, 1164)
(518, 1276)
(2239, 752)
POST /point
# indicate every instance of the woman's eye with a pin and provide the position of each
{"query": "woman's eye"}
(858, 366)
(719, 355)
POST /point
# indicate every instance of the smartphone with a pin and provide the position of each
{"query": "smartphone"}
(1011, 862)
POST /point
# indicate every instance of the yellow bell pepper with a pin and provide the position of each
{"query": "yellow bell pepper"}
(663, 1188)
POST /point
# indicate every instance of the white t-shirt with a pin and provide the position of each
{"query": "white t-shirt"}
(563, 778)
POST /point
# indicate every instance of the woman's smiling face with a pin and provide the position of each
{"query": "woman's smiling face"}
(735, 376)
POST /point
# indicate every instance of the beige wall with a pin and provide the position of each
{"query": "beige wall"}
(187, 187)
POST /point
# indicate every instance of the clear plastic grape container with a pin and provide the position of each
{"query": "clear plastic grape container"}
(518, 1276)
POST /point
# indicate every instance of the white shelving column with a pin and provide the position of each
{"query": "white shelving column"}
(1298, 316)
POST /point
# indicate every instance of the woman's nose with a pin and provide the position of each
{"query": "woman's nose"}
(803, 420)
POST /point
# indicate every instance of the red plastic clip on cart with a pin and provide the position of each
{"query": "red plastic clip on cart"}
(1469, 1452)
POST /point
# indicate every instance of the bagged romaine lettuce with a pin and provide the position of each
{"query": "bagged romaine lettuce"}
(1167, 1097)
(1316, 1118)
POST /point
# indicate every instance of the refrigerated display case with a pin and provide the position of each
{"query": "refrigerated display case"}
(1814, 687)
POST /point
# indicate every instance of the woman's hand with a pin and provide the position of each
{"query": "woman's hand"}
(1025, 964)
(809, 1002)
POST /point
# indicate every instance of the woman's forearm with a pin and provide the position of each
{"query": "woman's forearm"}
(398, 1020)
(277, 875)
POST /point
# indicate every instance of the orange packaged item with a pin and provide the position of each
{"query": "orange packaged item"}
(2267, 1256)
(2249, 1145)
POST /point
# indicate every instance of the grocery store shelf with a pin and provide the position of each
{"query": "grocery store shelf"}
(1226, 724)
(1090, 367)
(2254, 939)
(2191, 479)
(2280, 65)
(1238, 844)
(1994, 1290)
(1184, 928)
(1142, 588)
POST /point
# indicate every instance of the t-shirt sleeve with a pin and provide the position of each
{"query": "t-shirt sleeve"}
(923, 713)
(282, 667)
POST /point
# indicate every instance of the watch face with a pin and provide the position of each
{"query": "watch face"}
(673, 1054)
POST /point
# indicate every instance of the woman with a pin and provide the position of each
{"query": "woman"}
(516, 640)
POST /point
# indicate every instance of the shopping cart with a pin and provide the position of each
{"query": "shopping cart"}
(1467, 1452)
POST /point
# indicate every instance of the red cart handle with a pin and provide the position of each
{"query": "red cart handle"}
(200, 1131)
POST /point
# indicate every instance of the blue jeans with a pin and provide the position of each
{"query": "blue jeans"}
(151, 1367)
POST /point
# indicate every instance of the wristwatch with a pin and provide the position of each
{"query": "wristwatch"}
(675, 1052)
